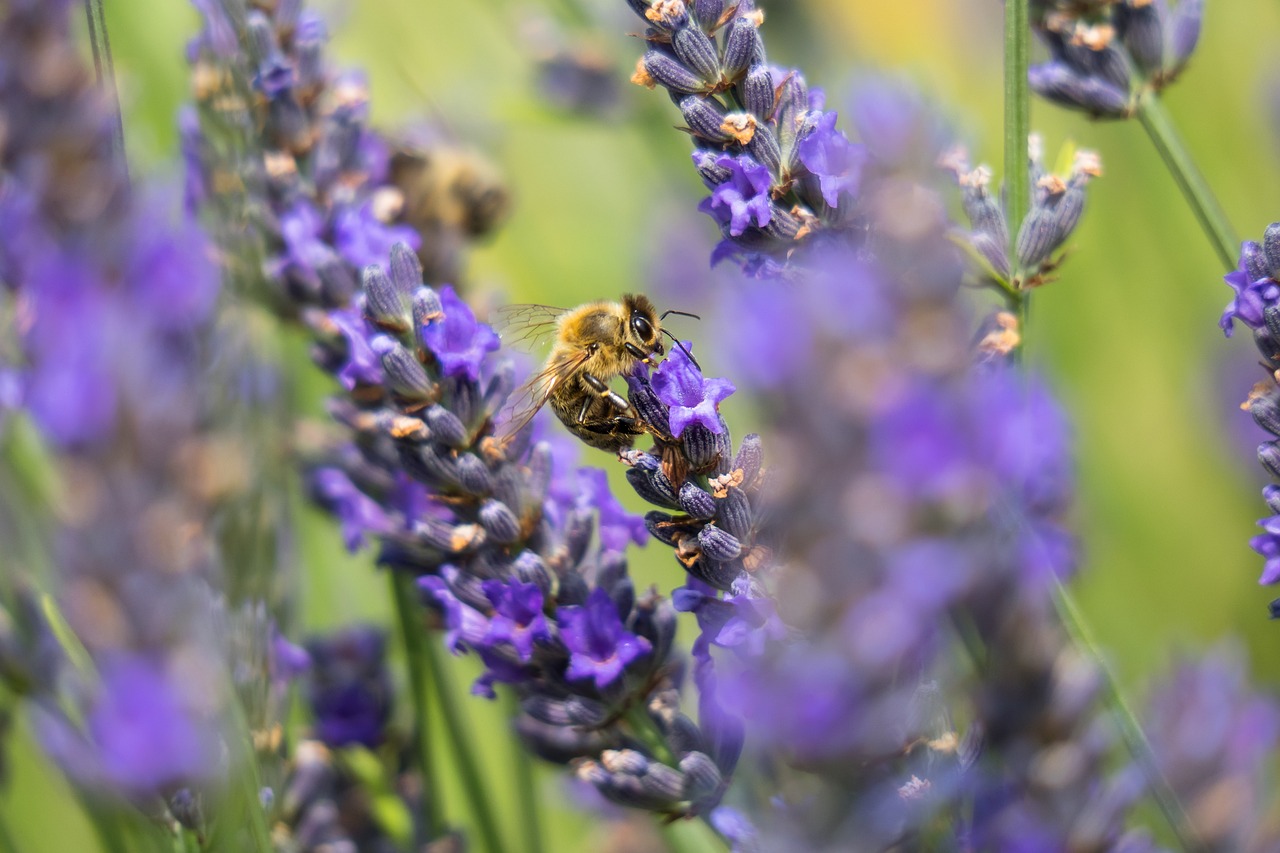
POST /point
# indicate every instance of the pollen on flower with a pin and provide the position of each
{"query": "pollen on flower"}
(915, 789)
(464, 536)
(1087, 163)
(387, 203)
(741, 126)
(1260, 389)
(403, 427)
(665, 11)
(1095, 37)
(1004, 339)
(642, 77)
(756, 17)
(1053, 184)
(721, 485)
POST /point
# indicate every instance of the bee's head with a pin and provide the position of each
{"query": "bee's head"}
(643, 326)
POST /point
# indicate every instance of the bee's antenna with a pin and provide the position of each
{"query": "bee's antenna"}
(681, 313)
(683, 349)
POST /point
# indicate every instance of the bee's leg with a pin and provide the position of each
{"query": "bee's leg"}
(638, 353)
(620, 425)
(605, 392)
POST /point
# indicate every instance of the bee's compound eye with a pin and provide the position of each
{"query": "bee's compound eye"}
(642, 328)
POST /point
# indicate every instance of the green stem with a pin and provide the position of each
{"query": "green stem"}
(459, 735)
(1195, 189)
(526, 788)
(7, 844)
(1130, 728)
(418, 661)
(646, 731)
(1017, 116)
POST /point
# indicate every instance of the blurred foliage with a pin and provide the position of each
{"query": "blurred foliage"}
(1129, 334)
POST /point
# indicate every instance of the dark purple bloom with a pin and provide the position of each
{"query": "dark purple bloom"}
(617, 526)
(828, 153)
(743, 199)
(1252, 298)
(358, 513)
(692, 398)
(363, 239)
(459, 343)
(599, 644)
(350, 690)
(141, 736)
(517, 617)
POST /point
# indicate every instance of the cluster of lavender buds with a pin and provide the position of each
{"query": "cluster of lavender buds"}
(779, 171)
(145, 683)
(1102, 57)
(1256, 303)
(499, 536)
(1057, 203)
(281, 150)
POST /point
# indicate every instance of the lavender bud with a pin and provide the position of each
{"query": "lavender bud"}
(627, 761)
(530, 568)
(756, 91)
(1111, 66)
(764, 148)
(1036, 238)
(405, 374)
(683, 735)
(993, 251)
(1269, 456)
(1186, 30)
(742, 46)
(704, 118)
(610, 574)
(667, 71)
(750, 459)
(655, 620)
(697, 52)
(1067, 212)
(1271, 494)
(473, 475)
(427, 308)
(1255, 260)
(578, 528)
(337, 281)
(712, 174)
(274, 74)
(1265, 410)
(648, 406)
(664, 783)
(560, 744)
(571, 711)
(653, 485)
(719, 545)
(700, 446)
(1144, 33)
(640, 7)
(308, 46)
(733, 513)
(1271, 249)
(385, 304)
(573, 590)
(428, 464)
(406, 269)
(792, 100)
(1267, 344)
(659, 526)
(1063, 85)
(1271, 319)
(499, 522)
(697, 503)
(707, 13)
(701, 776)
(446, 428)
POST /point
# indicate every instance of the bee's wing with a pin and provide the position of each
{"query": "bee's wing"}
(533, 395)
(526, 328)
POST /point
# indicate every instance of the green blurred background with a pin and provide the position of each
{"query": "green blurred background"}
(1169, 488)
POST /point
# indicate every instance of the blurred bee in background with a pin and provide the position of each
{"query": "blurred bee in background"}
(452, 195)
(592, 344)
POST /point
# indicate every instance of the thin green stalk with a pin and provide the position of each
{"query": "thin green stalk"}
(468, 765)
(419, 663)
(1017, 115)
(1195, 189)
(7, 844)
(526, 789)
(104, 70)
(1130, 728)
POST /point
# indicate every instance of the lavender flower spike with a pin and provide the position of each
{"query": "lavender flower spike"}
(692, 398)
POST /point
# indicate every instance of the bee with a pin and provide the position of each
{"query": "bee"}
(592, 344)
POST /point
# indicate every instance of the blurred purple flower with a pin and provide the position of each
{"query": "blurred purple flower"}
(362, 365)
(349, 688)
(600, 646)
(828, 153)
(617, 526)
(679, 383)
(363, 239)
(357, 512)
(458, 342)
(1252, 298)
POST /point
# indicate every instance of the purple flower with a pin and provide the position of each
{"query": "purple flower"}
(465, 627)
(350, 690)
(599, 645)
(743, 198)
(517, 617)
(363, 366)
(457, 340)
(1268, 545)
(363, 239)
(616, 525)
(1252, 298)
(141, 736)
(764, 332)
(828, 153)
(358, 513)
(302, 228)
(692, 398)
